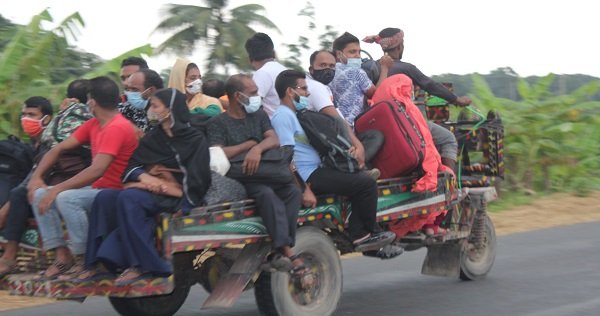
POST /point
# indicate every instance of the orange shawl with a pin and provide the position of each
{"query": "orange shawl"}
(399, 87)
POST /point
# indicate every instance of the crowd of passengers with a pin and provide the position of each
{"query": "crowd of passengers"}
(148, 153)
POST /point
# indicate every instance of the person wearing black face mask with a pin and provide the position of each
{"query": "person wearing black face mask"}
(321, 73)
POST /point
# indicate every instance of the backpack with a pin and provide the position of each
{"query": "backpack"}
(329, 138)
(16, 161)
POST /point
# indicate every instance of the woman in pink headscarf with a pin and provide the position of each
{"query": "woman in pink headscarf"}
(399, 87)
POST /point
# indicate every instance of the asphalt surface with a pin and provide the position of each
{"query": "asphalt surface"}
(548, 272)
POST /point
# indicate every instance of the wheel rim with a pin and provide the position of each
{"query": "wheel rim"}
(306, 290)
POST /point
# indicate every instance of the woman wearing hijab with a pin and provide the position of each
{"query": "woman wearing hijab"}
(185, 76)
(399, 87)
(169, 171)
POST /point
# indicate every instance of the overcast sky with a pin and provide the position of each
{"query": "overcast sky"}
(441, 36)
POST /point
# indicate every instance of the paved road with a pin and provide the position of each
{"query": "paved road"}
(549, 272)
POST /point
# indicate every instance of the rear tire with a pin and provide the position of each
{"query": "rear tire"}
(278, 294)
(477, 258)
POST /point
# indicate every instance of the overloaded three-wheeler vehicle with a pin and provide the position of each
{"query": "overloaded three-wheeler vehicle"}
(223, 247)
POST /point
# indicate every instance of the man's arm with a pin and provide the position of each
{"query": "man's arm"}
(252, 160)
(428, 84)
(48, 160)
(86, 177)
(232, 151)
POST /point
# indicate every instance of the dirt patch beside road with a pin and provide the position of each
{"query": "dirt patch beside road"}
(551, 211)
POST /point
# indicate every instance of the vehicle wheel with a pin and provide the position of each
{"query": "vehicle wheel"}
(479, 250)
(162, 305)
(212, 270)
(279, 294)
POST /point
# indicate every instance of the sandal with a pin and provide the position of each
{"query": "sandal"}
(278, 262)
(373, 241)
(60, 268)
(10, 265)
(76, 269)
(122, 280)
(92, 275)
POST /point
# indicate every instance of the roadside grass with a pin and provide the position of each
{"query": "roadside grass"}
(507, 200)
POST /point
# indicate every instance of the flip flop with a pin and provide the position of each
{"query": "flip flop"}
(374, 241)
(11, 267)
(98, 276)
(61, 267)
(142, 276)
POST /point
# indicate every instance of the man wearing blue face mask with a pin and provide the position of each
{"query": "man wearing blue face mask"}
(351, 86)
(246, 128)
(139, 86)
(359, 187)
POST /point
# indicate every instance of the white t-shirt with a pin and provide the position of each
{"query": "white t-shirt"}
(265, 81)
(320, 95)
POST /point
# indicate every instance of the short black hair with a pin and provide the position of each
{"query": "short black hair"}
(214, 88)
(313, 56)
(105, 92)
(152, 79)
(287, 79)
(235, 84)
(341, 42)
(79, 89)
(260, 47)
(389, 32)
(40, 103)
(134, 61)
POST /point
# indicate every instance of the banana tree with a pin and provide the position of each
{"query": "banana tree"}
(546, 141)
(29, 58)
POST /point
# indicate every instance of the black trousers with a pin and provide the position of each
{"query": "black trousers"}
(360, 189)
(278, 206)
(18, 214)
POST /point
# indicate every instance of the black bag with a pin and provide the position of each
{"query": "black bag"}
(273, 168)
(329, 138)
(16, 161)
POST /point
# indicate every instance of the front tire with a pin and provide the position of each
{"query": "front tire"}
(479, 251)
(279, 294)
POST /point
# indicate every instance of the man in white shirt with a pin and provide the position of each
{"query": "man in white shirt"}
(261, 53)
(321, 72)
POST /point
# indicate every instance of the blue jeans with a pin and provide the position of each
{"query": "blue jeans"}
(73, 206)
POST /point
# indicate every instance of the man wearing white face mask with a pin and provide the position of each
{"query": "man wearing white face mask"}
(245, 127)
(351, 86)
(138, 88)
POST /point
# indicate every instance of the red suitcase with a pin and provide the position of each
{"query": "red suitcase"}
(404, 146)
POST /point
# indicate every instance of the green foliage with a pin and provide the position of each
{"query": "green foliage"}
(222, 32)
(35, 61)
(551, 141)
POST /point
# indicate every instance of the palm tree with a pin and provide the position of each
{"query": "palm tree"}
(222, 32)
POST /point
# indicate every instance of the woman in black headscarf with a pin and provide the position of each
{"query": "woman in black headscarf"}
(169, 171)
